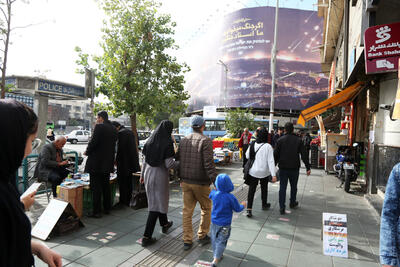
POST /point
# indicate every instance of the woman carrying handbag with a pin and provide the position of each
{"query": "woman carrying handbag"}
(263, 167)
(159, 158)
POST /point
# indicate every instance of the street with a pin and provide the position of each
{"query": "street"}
(267, 239)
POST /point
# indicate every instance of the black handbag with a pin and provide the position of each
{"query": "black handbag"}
(139, 198)
(249, 163)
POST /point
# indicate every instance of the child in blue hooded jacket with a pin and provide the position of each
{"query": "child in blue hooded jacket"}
(224, 203)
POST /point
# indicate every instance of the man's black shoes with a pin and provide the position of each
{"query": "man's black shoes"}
(148, 241)
(282, 211)
(266, 206)
(167, 226)
(294, 205)
(204, 241)
(187, 246)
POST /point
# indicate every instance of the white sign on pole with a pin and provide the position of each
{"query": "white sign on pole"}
(48, 219)
(210, 112)
(334, 228)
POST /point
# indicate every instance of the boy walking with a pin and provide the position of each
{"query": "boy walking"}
(224, 203)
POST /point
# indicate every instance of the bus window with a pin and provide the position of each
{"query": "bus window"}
(220, 125)
(211, 126)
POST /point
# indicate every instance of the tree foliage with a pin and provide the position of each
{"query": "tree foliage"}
(237, 120)
(136, 72)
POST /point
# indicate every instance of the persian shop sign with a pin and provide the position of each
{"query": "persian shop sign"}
(59, 88)
(382, 48)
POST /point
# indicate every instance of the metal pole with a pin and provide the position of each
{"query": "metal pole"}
(273, 66)
(226, 85)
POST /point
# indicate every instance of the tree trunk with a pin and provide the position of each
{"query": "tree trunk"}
(6, 42)
(134, 129)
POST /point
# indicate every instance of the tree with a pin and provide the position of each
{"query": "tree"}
(135, 71)
(5, 30)
(237, 120)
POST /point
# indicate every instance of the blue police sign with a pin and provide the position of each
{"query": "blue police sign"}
(60, 88)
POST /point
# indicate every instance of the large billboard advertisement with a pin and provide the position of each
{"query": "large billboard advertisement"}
(244, 46)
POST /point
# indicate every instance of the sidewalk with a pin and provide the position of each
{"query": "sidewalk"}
(267, 239)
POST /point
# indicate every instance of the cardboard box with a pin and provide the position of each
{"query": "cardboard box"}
(74, 196)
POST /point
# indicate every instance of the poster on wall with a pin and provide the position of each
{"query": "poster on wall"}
(244, 46)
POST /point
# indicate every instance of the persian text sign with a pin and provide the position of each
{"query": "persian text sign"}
(382, 48)
(334, 227)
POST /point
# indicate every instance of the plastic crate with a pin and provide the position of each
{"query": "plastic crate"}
(88, 198)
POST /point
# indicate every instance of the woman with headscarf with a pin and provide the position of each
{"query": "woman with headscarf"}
(19, 127)
(263, 167)
(159, 158)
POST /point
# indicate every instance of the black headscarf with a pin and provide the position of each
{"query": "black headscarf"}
(17, 122)
(262, 136)
(160, 145)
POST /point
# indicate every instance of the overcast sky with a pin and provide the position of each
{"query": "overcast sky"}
(47, 47)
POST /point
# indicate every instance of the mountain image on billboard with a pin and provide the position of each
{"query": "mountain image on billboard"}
(244, 45)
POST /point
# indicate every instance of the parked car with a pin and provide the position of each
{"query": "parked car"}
(78, 136)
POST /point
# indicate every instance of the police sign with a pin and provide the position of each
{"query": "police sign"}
(60, 88)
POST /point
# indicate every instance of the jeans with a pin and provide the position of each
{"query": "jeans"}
(390, 221)
(219, 239)
(252, 191)
(151, 222)
(193, 193)
(293, 176)
(56, 176)
(100, 185)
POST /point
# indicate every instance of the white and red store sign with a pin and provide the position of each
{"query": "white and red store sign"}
(382, 48)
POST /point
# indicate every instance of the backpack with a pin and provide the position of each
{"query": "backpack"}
(249, 163)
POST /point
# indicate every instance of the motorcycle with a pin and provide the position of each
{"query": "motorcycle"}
(346, 167)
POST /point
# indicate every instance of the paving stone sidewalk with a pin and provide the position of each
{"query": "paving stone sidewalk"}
(267, 239)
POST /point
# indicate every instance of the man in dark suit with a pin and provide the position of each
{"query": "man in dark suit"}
(50, 165)
(127, 162)
(100, 162)
(287, 154)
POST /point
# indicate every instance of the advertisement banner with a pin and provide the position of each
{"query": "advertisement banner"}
(382, 48)
(244, 46)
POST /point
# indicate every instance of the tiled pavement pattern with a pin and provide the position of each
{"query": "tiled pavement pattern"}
(293, 239)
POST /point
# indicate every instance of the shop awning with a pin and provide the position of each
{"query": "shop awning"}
(344, 97)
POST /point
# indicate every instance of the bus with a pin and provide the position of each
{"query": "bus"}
(215, 127)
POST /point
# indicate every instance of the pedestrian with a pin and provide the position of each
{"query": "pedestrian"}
(197, 173)
(278, 135)
(159, 158)
(20, 129)
(307, 143)
(50, 134)
(51, 166)
(262, 168)
(286, 154)
(100, 163)
(224, 203)
(389, 245)
(244, 142)
(127, 160)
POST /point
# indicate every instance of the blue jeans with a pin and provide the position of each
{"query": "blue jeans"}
(219, 239)
(293, 176)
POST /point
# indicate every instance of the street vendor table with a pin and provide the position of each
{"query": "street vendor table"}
(78, 193)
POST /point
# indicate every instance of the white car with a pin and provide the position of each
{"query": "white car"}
(78, 136)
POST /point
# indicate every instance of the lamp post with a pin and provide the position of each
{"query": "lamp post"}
(273, 66)
(226, 80)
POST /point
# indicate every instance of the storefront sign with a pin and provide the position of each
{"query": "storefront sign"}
(382, 48)
(334, 228)
(59, 88)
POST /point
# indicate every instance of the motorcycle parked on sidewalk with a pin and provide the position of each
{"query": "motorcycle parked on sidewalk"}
(346, 168)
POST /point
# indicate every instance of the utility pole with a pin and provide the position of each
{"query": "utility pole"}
(226, 81)
(273, 67)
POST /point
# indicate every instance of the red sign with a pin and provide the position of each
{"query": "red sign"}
(382, 48)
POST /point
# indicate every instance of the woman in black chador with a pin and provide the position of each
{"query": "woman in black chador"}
(19, 127)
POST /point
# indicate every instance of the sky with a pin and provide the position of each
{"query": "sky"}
(48, 31)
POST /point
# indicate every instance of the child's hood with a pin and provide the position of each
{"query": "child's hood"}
(223, 183)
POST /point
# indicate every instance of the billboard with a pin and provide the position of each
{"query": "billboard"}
(244, 46)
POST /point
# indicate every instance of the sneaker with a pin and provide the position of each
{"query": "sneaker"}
(187, 246)
(205, 240)
(282, 211)
(167, 226)
(294, 205)
(266, 206)
(148, 241)
(249, 214)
